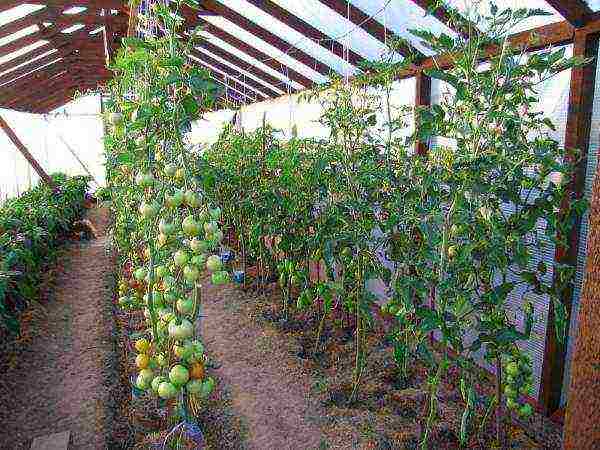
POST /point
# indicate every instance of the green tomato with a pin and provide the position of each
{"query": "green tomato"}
(198, 260)
(191, 273)
(179, 375)
(140, 273)
(149, 210)
(161, 271)
(182, 331)
(198, 246)
(166, 390)
(214, 263)
(185, 306)
(170, 170)
(208, 386)
(192, 199)
(165, 227)
(157, 381)
(190, 226)
(180, 258)
(210, 227)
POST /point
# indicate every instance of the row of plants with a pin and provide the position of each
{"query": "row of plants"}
(166, 232)
(32, 226)
(461, 226)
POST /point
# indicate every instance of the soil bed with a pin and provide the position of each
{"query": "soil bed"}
(58, 377)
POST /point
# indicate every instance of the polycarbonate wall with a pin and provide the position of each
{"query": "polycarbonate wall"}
(56, 141)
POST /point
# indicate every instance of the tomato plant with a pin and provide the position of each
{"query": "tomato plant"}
(166, 230)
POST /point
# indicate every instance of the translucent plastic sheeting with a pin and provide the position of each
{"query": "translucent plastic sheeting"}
(17, 12)
(469, 7)
(47, 138)
(337, 27)
(275, 53)
(206, 130)
(401, 16)
(553, 100)
(245, 75)
(250, 60)
(296, 39)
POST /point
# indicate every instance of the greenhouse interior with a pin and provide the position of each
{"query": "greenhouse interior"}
(299, 224)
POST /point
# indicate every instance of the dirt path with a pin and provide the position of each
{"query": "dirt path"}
(267, 387)
(61, 379)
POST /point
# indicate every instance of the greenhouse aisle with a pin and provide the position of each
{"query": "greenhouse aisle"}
(60, 380)
(268, 389)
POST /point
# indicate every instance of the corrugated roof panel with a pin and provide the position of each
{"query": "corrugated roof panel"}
(294, 38)
(240, 79)
(34, 70)
(466, 8)
(17, 12)
(251, 61)
(43, 55)
(401, 16)
(241, 70)
(261, 45)
(250, 92)
(22, 51)
(337, 27)
(19, 34)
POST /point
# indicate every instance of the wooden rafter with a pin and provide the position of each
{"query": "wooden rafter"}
(267, 36)
(257, 54)
(574, 11)
(241, 64)
(308, 30)
(369, 24)
(236, 75)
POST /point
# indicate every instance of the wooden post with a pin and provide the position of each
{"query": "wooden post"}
(28, 156)
(422, 98)
(582, 419)
(579, 118)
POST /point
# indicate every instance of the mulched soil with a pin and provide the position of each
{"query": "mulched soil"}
(59, 376)
(291, 399)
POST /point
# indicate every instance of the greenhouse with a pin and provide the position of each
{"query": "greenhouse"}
(299, 224)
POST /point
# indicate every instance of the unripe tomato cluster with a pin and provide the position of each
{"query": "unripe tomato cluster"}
(518, 381)
(174, 235)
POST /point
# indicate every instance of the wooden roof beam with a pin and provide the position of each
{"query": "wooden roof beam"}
(574, 11)
(41, 87)
(267, 36)
(243, 65)
(261, 89)
(306, 29)
(348, 11)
